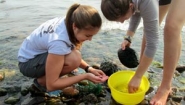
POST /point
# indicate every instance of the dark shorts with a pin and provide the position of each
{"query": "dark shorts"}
(35, 67)
(164, 2)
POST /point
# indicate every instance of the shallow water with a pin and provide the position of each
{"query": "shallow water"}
(19, 18)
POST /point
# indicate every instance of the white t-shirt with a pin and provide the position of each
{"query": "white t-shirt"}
(51, 37)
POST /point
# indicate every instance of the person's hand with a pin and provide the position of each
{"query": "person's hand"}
(124, 44)
(134, 84)
(94, 78)
(98, 73)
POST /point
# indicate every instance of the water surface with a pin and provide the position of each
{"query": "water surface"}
(18, 18)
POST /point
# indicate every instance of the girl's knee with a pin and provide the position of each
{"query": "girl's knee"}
(73, 59)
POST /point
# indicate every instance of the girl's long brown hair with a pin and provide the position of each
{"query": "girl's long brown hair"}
(84, 17)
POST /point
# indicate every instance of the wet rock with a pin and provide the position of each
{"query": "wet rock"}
(173, 92)
(181, 79)
(108, 67)
(24, 90)
(157, 71)
(96, 66)
(90, 98)
(157, 64)
(177, 98)
(70, 91)
(33, 101)
(12, 88)
(177, 73)
(83, 82)
(102, 94)
(11, 100)
(35, 92)
(180, 69)
(144, 102)
(171, 102)
(54, 101)
(3, 92)
(101, 99)
(151, 89)
(113, 102)
(82, 103)
(66, 100)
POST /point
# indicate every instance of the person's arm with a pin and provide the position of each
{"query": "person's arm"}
(133, 24)
(150, 15)
(54, 66)
(84, 65)
(90, 69)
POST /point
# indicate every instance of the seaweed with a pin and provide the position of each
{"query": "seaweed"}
(89, 88)
(108, 67)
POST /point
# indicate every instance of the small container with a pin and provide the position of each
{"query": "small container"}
(118, 84)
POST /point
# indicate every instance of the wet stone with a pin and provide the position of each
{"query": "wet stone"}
(173, 92)
(12, 88)
(89, 94)
(70, 91)
(11, 100)
(33, 101)
(83, 82)
(108, 67)
(54, 101)
(151, 89)
(144, 102)
(24, 90)
(180, 69)
(3, 92)
(170, 102)
(66, 100)
(90, 98)
(177, 98)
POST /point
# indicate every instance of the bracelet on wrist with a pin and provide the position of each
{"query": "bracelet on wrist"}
(128, 38)
(87, 68)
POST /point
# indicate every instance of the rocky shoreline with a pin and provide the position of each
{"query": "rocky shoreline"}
(15, 89)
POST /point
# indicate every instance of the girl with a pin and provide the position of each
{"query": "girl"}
(52, 50)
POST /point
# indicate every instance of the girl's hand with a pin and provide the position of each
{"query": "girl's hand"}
(98, 73)
(94, 78)
(124, 44)
(134, 84)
